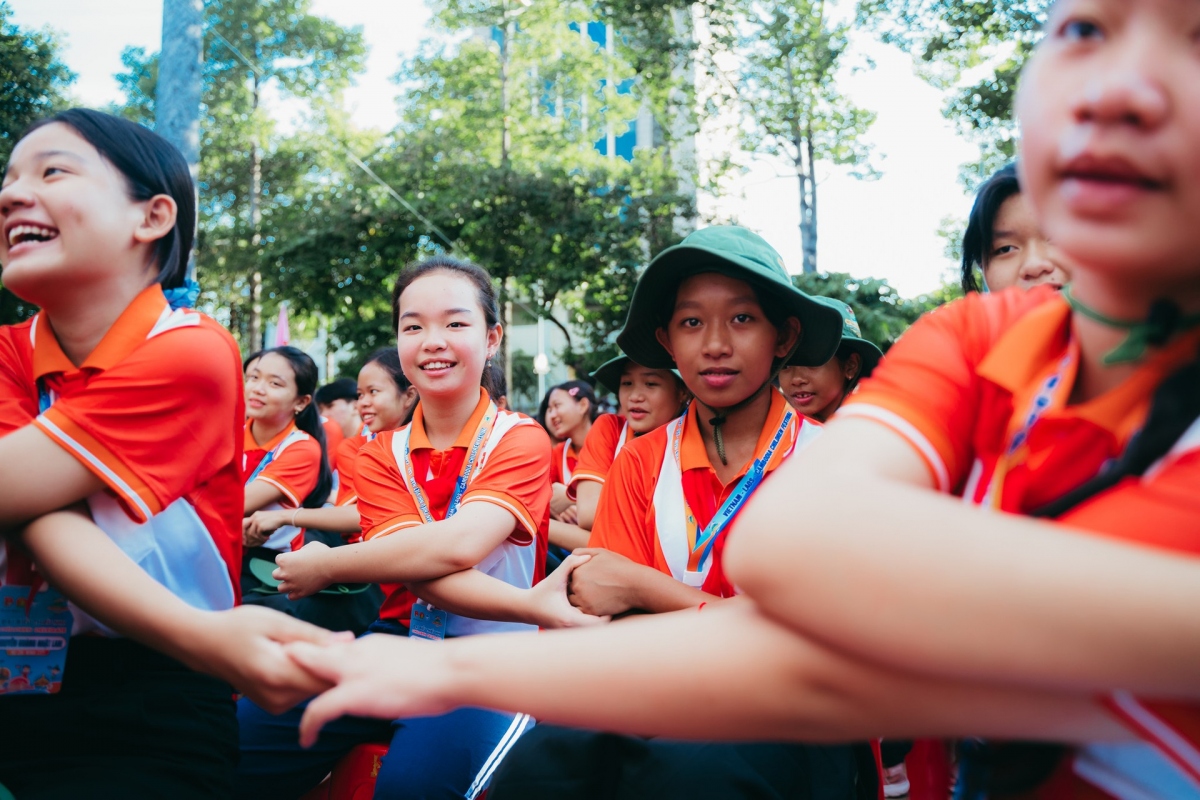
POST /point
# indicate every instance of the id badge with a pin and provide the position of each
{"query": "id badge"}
(35, 628)
(427, 622)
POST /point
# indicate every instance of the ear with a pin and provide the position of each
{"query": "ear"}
(158, 218)
(852, 366)
(302, 402)
(789, 334)
(494, 337)
(665, 340)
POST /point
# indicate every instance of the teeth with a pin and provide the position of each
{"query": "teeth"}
(437, 365)
(22, 233)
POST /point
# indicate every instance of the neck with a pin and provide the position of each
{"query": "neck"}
(81, 318)
(264, 430)
(580, 433)
(445, 417)
(740, 432)
(1124, 302)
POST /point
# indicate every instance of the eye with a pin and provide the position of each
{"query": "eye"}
(1004, 250)
(1079, 30)
(689, 322)
(743, 318)
(410, 328)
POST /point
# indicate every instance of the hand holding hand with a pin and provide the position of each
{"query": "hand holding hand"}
(570, 515)
(604, 585)
(259, 526)
(549, 598)
(303, 572)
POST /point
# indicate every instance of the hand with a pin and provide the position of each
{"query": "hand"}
(303, 572)
(559, 500)
(376, 676)
(245, 646)
(605, 585)
(548, 599)
(259, 526)
(570, 515)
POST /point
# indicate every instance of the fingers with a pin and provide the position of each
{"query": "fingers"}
(588, 551)
(571, 563)
(321, 709)
(324, 662)
(285, 629)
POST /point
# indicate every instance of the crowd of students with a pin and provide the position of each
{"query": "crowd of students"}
(783, 543)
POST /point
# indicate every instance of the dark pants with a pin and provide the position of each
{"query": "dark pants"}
(128, 722)
(554, 762)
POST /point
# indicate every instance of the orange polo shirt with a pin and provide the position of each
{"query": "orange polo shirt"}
(347, 454)
(333, 438)
(626, 520)
(156, 413)
(599, 451)
(513, 476)
(563, 460)
(294, 471)
(959, 387)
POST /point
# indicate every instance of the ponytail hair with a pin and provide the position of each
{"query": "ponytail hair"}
(485, 292)
(151, 166)
(579, 390)
(308, 420)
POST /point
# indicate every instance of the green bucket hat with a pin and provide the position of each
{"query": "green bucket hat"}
(738, 253)
(609, 373)
(852, 336)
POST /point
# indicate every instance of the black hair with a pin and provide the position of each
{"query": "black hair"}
(250, 359)
(389, 359)
(308, 420)
(578, 390)
(485, 289)
(151, 166)
(341, 389)
(977, 238)
(499, 382)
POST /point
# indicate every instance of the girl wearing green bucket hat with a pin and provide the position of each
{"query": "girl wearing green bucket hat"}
(817, 392)
(647, 399)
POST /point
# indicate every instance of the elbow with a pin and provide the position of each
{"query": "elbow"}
(466, 555)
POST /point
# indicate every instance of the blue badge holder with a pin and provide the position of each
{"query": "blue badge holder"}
(35, 629)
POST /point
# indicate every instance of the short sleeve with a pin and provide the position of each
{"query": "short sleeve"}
(295, 471)
(596, 458)
(384, 503)
(926, 387)
(156, 425)
(623, 523)
(347, 454)
(18, 395)
(515, 477)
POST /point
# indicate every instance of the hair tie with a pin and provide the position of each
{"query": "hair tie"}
(184, 296)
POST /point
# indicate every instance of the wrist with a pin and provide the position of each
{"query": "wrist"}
(189, 637)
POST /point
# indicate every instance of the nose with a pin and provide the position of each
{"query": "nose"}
(716, 341)
(1126, 93)
(1039, 265)
(12, 197)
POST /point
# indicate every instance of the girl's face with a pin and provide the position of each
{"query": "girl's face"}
(650, 398)
(1110, 117)
(68, 217)
(721, 341)
(381, 404)
(271, 394)
(444, 340)
(1020, 255)
(565, 414)
(818, 391)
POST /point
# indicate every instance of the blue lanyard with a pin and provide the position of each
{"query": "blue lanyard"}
(741, 493)
(261, 466)
(464, 477)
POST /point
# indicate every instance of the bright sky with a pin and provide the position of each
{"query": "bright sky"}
(885, 228)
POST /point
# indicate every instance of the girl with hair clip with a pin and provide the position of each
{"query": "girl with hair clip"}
(571, 410)
(818, 392)
(121, 491)
(284, 464)
(385, 402)
(1003, 245)
(454, 511)
(1015, 484)
(648, 399)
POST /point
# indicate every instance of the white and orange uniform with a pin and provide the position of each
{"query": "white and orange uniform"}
(291, 462)
(609, 434)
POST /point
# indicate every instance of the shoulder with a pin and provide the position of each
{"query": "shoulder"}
(607, 425)
(645, 451)
(16, 349)
(978, 320)
(350, 447)
(523, 433)
(190, 343)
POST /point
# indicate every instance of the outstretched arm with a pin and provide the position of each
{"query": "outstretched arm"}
(726, 673)
(885, 568)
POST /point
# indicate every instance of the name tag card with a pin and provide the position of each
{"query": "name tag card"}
(35, 629)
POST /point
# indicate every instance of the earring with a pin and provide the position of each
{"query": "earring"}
(488, 365)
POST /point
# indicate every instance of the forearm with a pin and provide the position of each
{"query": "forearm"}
(730, 673)
(568, 537)
(78, 559)
(259, 494)
(419, 553)
(337, 519)
(474, 594)
(659, 593)
(909, 578)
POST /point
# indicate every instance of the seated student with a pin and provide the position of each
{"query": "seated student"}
(649, 399)
(454, 510)
(336, 405)
(284, 462)
(721, 309)
(571, 410)
(817, 392)
(1003, 244)
(1056, 603)
(120, 459)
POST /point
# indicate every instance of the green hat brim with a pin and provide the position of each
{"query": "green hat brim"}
(261, 568)
(609, 373)
(867, 351)
(821, 325)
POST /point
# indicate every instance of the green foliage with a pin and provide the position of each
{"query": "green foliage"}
(33, 85)
(952, 42)
(882, 313)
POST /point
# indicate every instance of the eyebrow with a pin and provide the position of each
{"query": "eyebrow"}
(746, 298)
(447, 312)
(54, 153)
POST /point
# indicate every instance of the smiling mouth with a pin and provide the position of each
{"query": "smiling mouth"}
(435, 365)
(20, 234)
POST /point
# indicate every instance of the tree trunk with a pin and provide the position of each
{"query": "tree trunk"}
(177, 96)
(505, 33)
(256, 324)
(808, 205)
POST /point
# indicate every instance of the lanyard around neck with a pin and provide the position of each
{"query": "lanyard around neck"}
(700, 543)
(1037, 409)
(464, 476)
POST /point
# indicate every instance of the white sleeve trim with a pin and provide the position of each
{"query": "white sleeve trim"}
(908, 431)
(115, 480)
